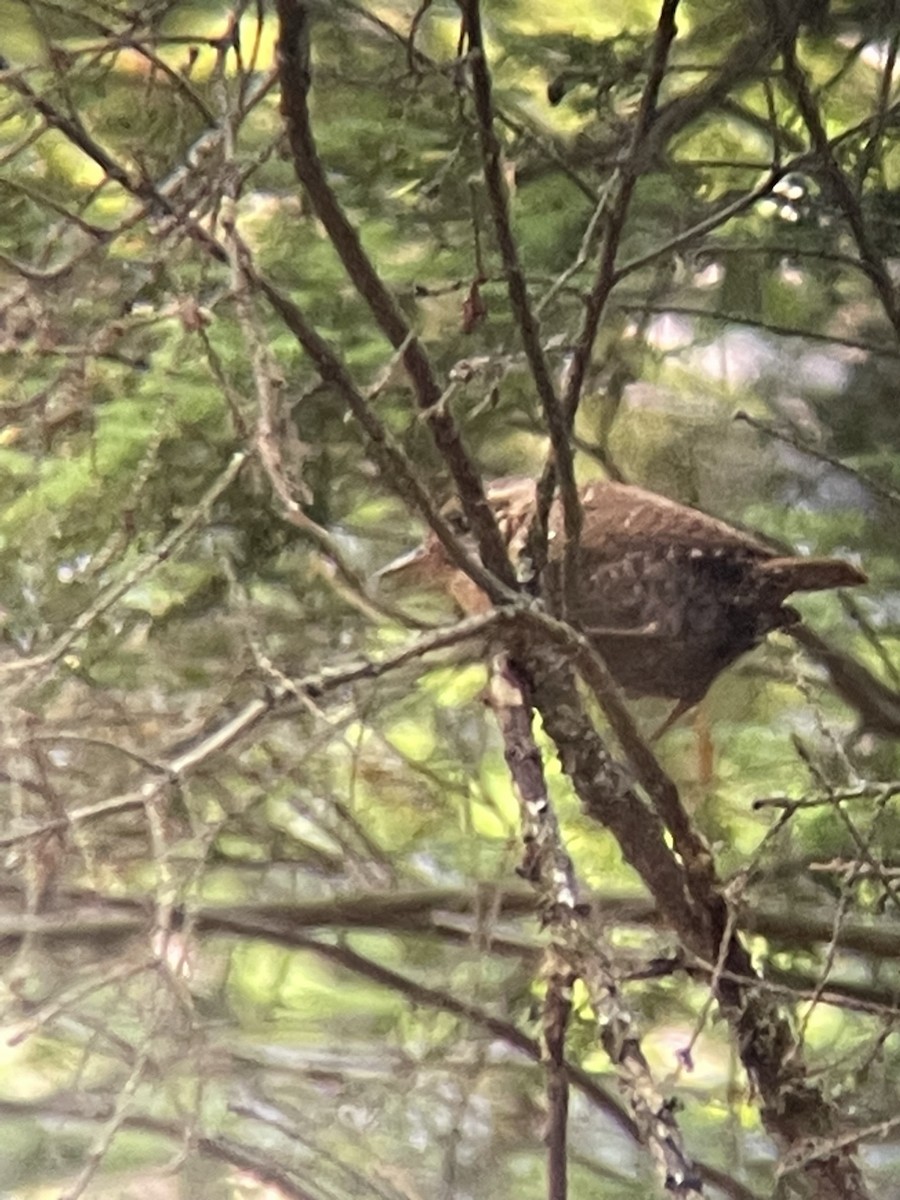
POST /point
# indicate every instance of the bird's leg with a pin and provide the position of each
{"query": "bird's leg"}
(676, 714)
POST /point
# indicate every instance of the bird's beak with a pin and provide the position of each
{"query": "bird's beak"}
(404, 563)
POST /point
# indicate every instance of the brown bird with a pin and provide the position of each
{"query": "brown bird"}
(668, 595)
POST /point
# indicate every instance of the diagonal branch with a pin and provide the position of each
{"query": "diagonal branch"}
(296, 79)
(525, 316)
(832, 175)
(578, 951)
(692, 897)
(629, 173)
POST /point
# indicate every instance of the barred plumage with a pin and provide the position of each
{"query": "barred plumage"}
(668, 595)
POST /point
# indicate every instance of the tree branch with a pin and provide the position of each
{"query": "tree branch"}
(296, 77)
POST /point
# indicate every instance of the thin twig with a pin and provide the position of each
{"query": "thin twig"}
(295, 72)
(629, 172)
(237, 727)
(520, 303)
(113, 592)
(833, 176)
(787, 331)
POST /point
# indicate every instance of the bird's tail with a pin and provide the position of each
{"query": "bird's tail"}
(796, 574)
